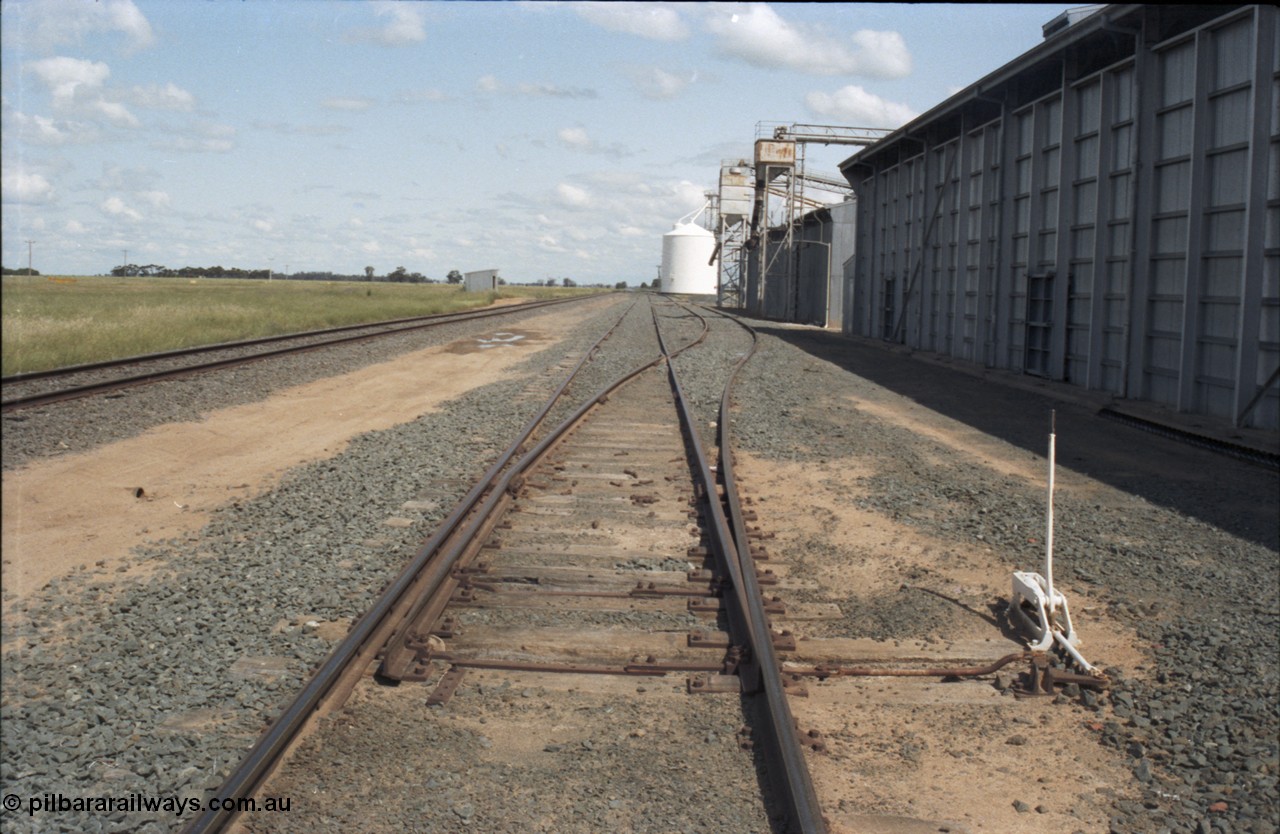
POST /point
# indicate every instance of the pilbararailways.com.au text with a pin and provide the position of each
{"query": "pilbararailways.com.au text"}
(137, 803)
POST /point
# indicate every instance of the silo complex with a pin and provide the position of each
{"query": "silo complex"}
(686, 260)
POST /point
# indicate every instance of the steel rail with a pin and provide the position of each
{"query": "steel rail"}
(370, 631)
(785, 758)
(89, 389)
(431, 602)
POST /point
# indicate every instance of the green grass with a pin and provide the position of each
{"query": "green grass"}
(50, 322)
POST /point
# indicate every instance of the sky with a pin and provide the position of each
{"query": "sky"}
(543, 139)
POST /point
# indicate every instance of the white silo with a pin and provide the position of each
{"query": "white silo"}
(686, 260)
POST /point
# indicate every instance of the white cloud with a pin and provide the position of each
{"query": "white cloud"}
(158, 199)
(115, 112)
(881, 54)
(573, 196)
(658, 84)
(155, 97)
(349, 104)
(116, 207)
(285, 129)
(204, 137)
(56, 22)
(689, 195)
(404, 28)
(530, 89)
(67, 78)
(551, 244)
(77, 85)
(135, 180)
(406, 25)
(854, 105)
(541, 90)
(262, 225)
(575, 137)
(656, 21)
(756, 34)
(371, 247)
(74, 227)
(42, 130)
(24, 187)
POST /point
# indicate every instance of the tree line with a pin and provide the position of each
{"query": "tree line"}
(399, 275)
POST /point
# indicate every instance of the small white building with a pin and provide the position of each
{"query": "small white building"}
(481, 281)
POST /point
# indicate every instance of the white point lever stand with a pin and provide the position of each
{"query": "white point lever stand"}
(1041, 608)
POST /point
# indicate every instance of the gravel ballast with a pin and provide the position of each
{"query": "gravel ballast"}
(158, 684)
(1189, 561)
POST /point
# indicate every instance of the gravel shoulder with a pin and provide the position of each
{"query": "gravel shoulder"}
(906, 494)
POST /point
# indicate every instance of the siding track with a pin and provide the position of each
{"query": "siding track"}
(40, 388)
(590, 553)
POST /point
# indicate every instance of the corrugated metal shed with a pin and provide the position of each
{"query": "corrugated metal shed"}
(1104, 210)
(481, 280)
(813, 290)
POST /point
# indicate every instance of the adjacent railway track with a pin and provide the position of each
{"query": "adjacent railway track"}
(607, 543)
(41, 388)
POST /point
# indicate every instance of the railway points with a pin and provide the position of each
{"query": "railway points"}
(574, 646)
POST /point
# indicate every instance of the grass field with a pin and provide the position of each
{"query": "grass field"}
(50, 321)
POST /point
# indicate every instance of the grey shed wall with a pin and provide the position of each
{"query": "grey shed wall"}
(1105, 210)
(822, 243)
(480, 281)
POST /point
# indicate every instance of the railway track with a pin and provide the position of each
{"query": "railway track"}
(598, 560)
(41, 388)
(578, 663)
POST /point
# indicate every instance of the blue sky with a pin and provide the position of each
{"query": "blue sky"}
(544, 139)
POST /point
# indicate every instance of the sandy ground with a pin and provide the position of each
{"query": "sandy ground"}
(94, 508)
(931, 756)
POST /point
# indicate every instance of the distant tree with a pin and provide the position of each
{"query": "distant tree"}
(621, 285)
(399, 275)
(21, 271)
(502, 282)
(454, 277)
(368, 273)
(551, 282)
(644, 285)
(416, 278)
(569, 282)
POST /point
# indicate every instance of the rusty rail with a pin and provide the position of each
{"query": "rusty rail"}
(332, 681)
(784, 754)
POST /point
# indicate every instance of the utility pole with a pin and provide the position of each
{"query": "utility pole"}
(29, 243)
